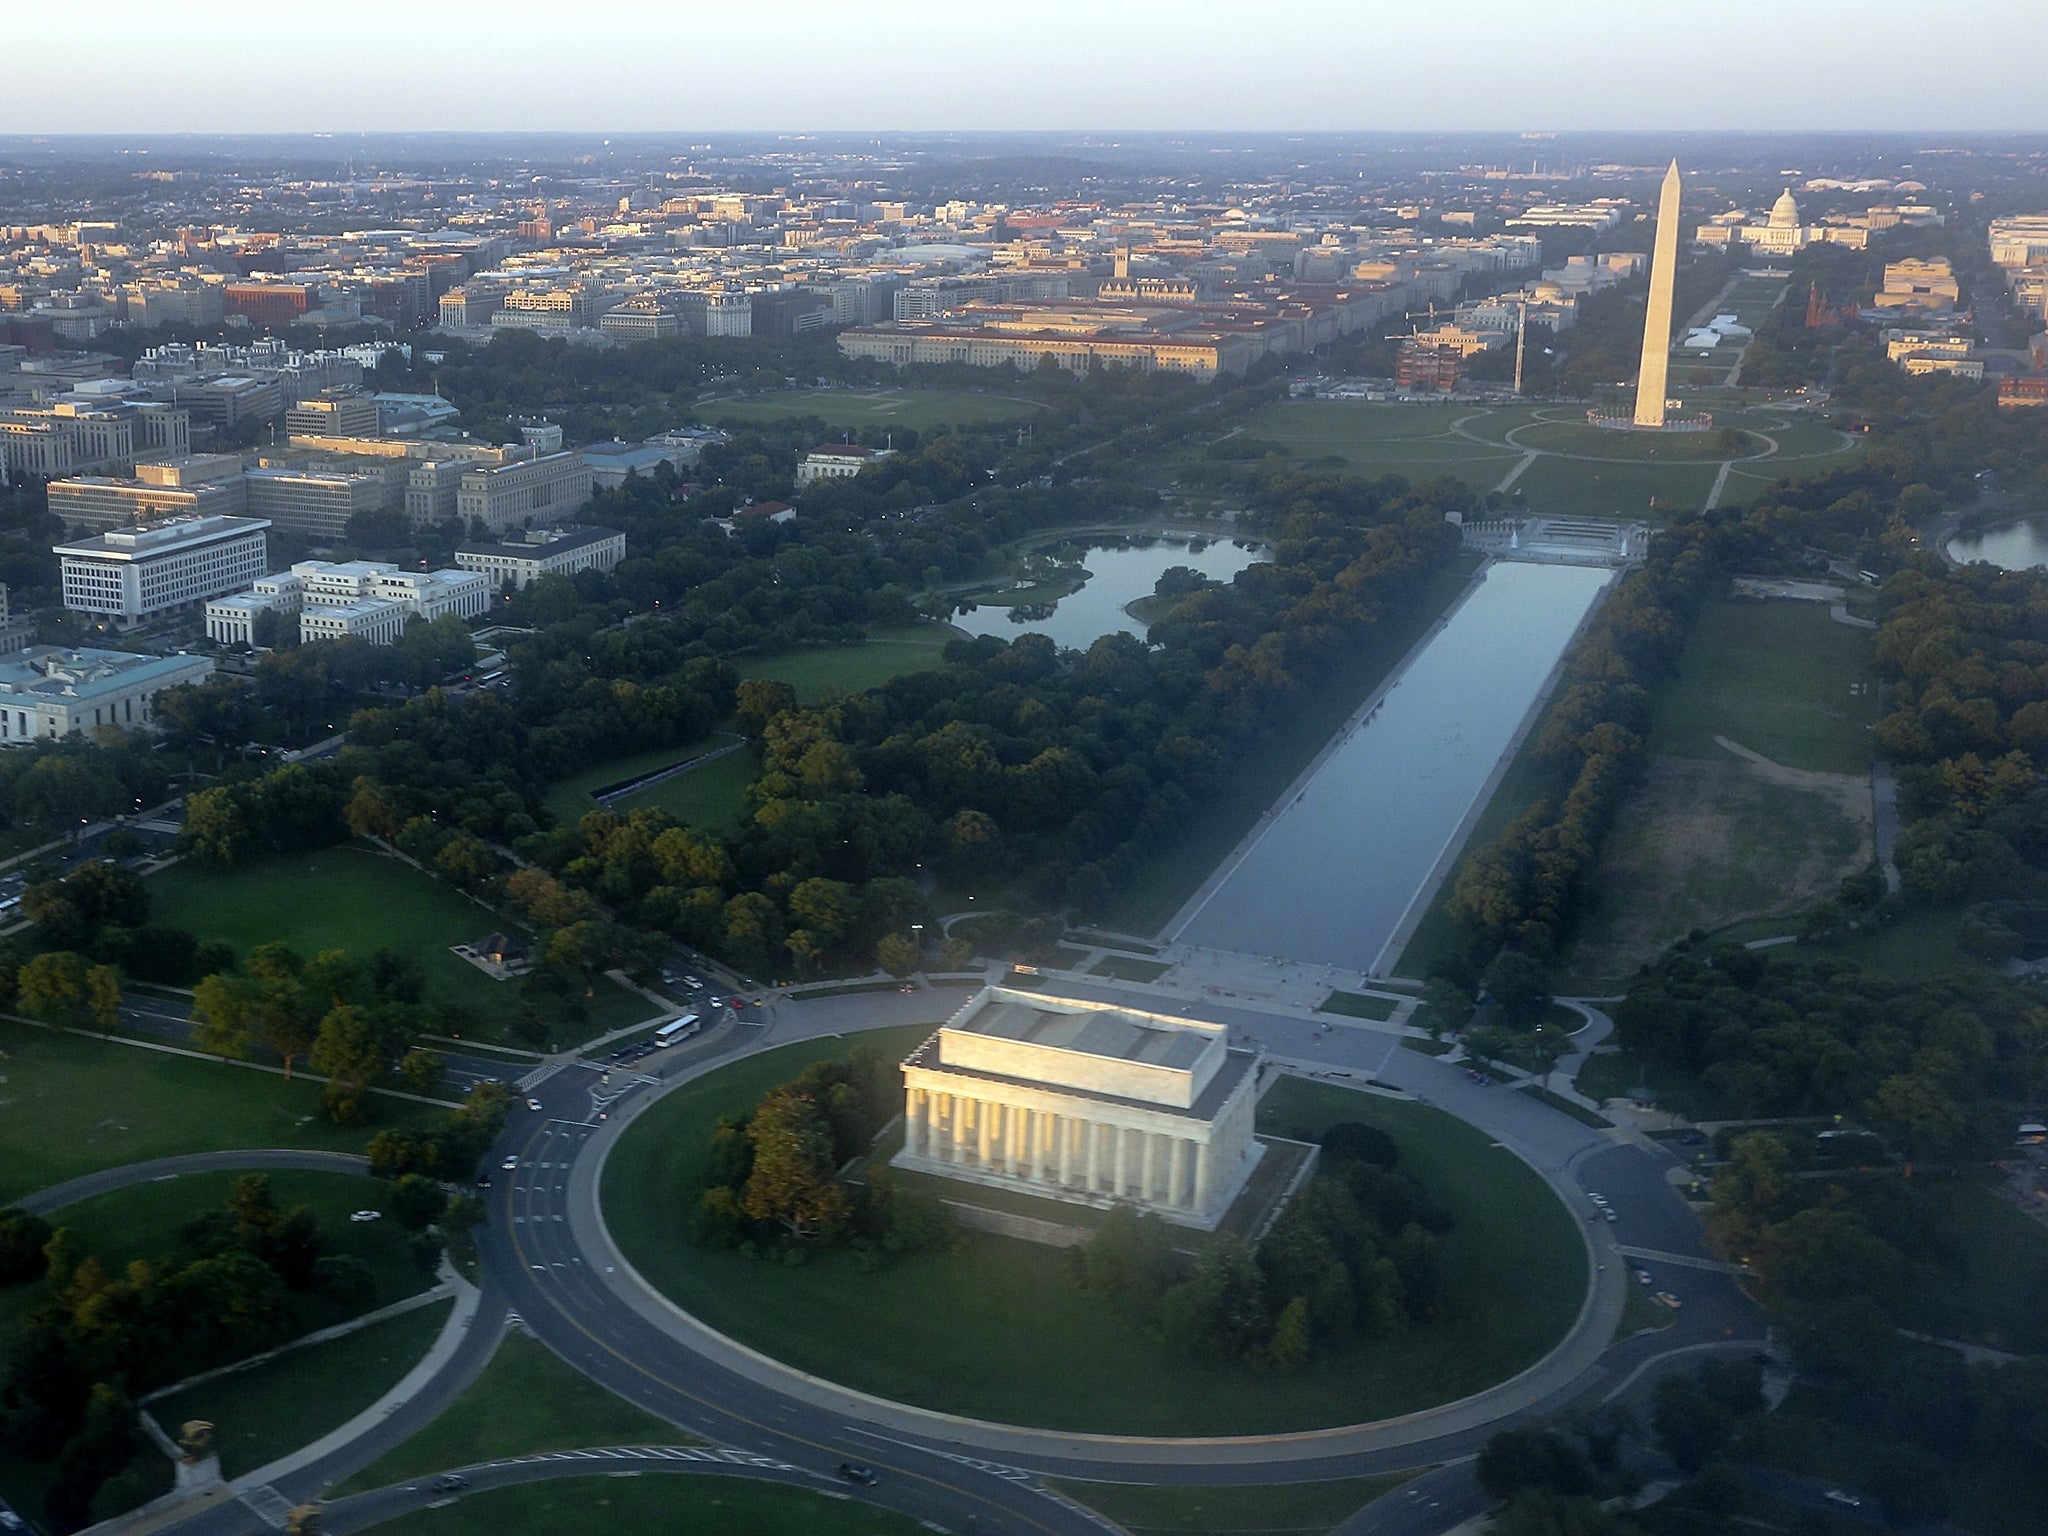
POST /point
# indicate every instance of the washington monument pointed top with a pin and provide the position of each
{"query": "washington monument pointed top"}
(1652, 380)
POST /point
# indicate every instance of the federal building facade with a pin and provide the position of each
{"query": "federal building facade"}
(1086, 1102)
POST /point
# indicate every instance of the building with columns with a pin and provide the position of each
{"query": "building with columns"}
(1087, 1102)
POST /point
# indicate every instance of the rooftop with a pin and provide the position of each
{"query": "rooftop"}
(53, 673)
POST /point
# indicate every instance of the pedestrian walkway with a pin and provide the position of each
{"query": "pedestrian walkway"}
(467, 1298)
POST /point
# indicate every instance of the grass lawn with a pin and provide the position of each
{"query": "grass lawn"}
(1777, 677)
(633, 1505)
(1129, 968)
(823, 671)
(919, 409)
(712, 796)
(1358, 1005)
(525, 1402)
(1994, 1294)
(1579, 440)
(569, 799)
(348, 898)
(1277, 1509)
(1165, 879)
(1559, 487)
(70, 1105)
(1919, 943)
(272, 1409)
(998, 1329)
(1707, 837)
(1642, 1312)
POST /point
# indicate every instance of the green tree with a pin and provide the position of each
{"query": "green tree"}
(421, 1069)
(223, 1011)
(896, 954)
(103, 997)
(416, 1202)
(1289, 1348)
(351, 1048)
(791, 1182)
(52, 987)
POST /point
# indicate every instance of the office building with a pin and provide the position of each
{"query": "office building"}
(76, 437)
(640, 319)
(544, 552)
(336, 413)
(188, 486)
(315, 502)
(520, 492)
(48, 691)
(1927, 286)
(128, 574)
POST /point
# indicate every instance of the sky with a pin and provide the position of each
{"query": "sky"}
(715, 65)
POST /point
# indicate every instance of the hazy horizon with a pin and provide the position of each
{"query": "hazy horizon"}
(1312, 66)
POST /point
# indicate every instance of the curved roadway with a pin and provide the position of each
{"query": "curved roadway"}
(548, 1262)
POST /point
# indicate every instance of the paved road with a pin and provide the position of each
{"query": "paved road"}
(162, 1169)
(538, 1262)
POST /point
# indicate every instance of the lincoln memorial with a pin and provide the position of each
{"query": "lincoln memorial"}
(1085, 1102)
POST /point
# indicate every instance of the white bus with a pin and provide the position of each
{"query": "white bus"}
(680, 1029)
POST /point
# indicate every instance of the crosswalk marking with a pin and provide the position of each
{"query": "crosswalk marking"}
(268, 1505)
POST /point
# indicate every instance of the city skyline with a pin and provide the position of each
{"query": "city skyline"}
(1314, 65)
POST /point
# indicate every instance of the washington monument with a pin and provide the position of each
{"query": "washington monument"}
(1650, 382)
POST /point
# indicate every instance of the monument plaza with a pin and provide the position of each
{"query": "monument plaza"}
(1085, 1102)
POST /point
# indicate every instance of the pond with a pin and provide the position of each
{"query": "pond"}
(2021, 546)
(1332, 877)
(1119, 573)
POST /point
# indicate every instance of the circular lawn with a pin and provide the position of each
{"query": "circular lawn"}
(999, 1329)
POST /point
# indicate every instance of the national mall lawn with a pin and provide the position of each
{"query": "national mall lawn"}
(1000, 1329)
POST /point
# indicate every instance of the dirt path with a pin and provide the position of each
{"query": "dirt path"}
(1851, 791)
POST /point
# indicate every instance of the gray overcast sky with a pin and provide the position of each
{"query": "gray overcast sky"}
(119, 66)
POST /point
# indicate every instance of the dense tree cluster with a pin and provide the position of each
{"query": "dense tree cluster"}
(1356, 1252)
(348, 1019)
(774, 1182)
(1922, 1061)
(237, 1281)
(1014, 761)
(1966, 655)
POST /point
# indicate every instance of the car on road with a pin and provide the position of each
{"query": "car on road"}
(509, 1164)
(854, 1472)
(1846, 1500)
(533, 1103)
(1642, 1277)
(448, 1482)
(1597, 1199)
(1670, 1300)
(365, 1215)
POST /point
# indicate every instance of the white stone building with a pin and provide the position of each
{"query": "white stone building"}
(544, 552)
(128, 574)
(48, 691)
(368, 599)
(838, 461)
(1086, 1102)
